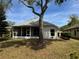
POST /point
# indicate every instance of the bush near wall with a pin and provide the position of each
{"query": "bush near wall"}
(5, 37)
(65, 36)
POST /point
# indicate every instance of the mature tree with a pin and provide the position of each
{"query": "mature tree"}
(73, 20)
(39, 8)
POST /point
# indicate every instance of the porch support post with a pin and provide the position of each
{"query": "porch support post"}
(30, 31)
(12, 32)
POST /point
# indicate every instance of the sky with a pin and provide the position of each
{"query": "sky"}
(58, 15)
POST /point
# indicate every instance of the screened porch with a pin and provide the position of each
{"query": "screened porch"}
(25, 32)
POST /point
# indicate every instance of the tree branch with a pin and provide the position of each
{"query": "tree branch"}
(9, 3)
(5, 4)
(33, 10)
(45, 6)
(41, 4)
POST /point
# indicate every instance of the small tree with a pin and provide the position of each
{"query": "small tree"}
(3, 23)
(42, 6)
(4, 4)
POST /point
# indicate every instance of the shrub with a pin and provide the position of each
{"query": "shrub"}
(73, 55)
(5, 37)
(65, 36)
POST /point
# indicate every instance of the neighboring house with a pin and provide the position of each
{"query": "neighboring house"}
(30, 29)
(73, 30)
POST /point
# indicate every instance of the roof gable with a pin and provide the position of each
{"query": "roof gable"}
(35, 22)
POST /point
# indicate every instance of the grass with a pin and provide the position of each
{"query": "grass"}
(19, 49)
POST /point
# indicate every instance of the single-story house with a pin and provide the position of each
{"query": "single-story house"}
(73, 30)
(30, 29)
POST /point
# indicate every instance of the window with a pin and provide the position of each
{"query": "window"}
(58, 34)
(75, 32)
(52, 32)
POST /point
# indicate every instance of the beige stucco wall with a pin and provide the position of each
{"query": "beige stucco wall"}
(47, 33)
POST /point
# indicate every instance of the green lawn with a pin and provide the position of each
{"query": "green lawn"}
(54, 50)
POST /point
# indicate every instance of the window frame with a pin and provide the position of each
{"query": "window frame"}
(52, 32)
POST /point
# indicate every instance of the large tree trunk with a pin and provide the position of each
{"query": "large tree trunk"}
(41, 29)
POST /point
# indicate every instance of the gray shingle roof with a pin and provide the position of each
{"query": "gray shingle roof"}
(72, 27)
(35, 22)
(27, 22)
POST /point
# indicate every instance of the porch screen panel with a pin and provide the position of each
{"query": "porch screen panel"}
(24, 31)
(17, 31)
(35, 31)
(28, 31)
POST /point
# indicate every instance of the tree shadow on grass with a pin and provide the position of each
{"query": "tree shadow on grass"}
(32, 43)
(74, 55)
(35, 45)
(1, 50)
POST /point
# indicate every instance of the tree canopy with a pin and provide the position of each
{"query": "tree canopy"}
(73, 20)
(3, 22)
(41, 5)
(6, 3)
